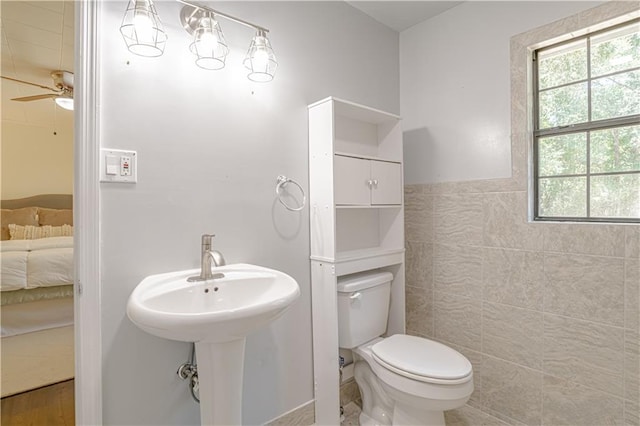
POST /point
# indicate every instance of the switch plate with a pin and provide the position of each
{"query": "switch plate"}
(118, 166)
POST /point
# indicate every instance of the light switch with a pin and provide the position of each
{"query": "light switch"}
(118, 166)
(112, 164)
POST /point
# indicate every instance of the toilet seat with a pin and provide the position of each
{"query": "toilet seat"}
(421, 359)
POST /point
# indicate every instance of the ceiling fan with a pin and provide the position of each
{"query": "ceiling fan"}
(63, 91)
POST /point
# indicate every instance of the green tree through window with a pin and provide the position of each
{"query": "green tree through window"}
(587, 127)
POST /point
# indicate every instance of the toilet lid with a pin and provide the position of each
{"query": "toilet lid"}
(421, 357)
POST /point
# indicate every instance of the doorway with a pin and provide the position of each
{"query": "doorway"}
(36, 197)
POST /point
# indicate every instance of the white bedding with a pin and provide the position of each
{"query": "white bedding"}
(28, 264)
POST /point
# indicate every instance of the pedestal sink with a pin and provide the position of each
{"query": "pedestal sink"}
(217, 315)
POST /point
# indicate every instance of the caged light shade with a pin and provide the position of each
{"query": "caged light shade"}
(209, 44)
(142, 29)
(260, 59)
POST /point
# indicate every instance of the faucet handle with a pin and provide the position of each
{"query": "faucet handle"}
(206, 241)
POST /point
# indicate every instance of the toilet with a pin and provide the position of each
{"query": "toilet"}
(403, 380)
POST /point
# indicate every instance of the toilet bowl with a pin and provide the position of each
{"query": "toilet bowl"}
(408, 380)
(403, 380)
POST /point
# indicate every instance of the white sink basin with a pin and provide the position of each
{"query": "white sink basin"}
(247, 298)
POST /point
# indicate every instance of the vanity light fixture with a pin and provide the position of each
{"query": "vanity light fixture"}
(144, 35)
(209, 44)
(142, 29)
(260, 60)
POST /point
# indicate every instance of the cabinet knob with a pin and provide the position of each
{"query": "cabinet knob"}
(375, 182)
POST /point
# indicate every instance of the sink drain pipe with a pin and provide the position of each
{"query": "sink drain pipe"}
(189, 370)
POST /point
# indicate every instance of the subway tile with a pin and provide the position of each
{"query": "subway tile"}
(513, 277)
(419, 311)
(585, 287)
(418, 217)
(512, 334)
(632, 294)
(632, 365)
(568, 403)
(505, 222)
(457, 320)
(632, 241)
(512, 390)
(591, 238)
(458, 270)
(457, 219)
(584, 352)
(470, 416)
(418, 264)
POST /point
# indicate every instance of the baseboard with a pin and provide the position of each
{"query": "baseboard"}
(304, 415)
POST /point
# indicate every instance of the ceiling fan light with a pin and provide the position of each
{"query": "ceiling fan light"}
(142, 29)
(64, 102)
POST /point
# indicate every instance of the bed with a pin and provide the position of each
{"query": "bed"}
(36, 287)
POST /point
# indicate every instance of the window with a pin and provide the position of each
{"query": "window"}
(587, 127)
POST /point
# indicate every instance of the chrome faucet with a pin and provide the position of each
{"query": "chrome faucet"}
(207, 258)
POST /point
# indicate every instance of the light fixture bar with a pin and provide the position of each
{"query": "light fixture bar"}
(224, 15)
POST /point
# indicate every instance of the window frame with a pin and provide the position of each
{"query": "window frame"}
(585, 127)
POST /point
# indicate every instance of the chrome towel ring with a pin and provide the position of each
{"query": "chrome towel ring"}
(282, 181)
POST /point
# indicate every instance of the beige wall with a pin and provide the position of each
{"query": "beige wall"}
(35, 161)
(547, 313)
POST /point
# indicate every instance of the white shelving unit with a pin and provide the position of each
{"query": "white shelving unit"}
(357, 223)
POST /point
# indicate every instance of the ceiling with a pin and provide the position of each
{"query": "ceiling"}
(37, 38)
(400, 15)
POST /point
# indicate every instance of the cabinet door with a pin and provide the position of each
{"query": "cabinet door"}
(388, 189)
(351, 179)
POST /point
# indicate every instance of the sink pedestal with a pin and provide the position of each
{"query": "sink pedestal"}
(218, 314)
(220, 373)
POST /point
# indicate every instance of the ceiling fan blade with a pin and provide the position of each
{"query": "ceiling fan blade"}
(36, 97)
(31, 84)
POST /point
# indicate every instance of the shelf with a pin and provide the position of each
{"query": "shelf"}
(365, 260)
(351, 255)
(356, 225)
(366, 157)
(376, 206)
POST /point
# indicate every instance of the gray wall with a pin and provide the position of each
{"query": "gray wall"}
(210, 146)
(454, 80)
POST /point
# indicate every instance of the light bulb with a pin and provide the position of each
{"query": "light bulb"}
(143, 26)
(206, 39)
(260, 60)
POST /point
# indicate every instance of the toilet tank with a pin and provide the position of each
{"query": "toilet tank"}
(363, 307)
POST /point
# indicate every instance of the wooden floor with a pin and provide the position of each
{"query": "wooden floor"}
(48, 406)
